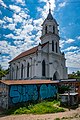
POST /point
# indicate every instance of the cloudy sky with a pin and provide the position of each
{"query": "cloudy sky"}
(20, 28)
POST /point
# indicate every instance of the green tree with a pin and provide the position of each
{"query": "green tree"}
(78, 73)
(74, 75)
(3, 72)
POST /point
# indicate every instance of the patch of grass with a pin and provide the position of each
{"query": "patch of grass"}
(57, 119)
(22, 110)
(36, 108)
(39, 108)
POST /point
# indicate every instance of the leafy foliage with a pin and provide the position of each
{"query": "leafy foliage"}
(39, 108)
(3, 72)
(74, 75)
(63, 88)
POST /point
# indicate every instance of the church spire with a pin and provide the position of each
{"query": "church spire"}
(49, 7)
(49, 17)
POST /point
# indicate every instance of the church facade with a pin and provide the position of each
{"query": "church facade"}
(44, 61)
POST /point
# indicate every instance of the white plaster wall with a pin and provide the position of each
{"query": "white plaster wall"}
(45, 53)
(35, 62)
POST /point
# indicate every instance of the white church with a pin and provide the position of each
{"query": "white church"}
(44, 61)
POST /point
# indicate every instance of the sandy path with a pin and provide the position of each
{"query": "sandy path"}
(71, 113)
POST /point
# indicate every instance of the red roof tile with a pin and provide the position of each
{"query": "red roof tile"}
(24, 82)
(28, 52)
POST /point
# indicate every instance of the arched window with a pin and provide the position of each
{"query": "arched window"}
(16, 72)
(53, 29)
(52, 45)
(43, 68)
(46, 30)
(12, 73)
(28, 70)
(56, 47)
(22, 68)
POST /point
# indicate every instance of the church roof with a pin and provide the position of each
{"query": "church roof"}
(49, 17)
(26, 53)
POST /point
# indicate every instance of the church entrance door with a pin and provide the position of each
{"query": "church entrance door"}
(56, 76)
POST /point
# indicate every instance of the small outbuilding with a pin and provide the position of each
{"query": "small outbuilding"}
(69, 99)
(16, 92)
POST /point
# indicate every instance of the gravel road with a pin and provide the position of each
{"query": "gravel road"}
(69, 115)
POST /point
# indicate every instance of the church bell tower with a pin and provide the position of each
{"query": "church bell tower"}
(50, 33)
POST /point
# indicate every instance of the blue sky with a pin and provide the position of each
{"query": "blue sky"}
(20, 28)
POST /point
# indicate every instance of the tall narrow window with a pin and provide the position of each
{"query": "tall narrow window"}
(53, 29)
(52, 45)
(22, 67)
(12, 73)
(28, 70)
(46, 30)
(56, 48)
(17, 72)
(43, 68)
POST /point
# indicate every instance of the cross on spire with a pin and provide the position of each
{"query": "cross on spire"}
(49, 7)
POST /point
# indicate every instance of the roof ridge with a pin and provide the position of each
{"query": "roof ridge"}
(25, 53)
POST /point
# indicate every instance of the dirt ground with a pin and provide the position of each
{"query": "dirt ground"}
(68, 115)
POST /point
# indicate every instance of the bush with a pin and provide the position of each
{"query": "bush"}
(41, 108)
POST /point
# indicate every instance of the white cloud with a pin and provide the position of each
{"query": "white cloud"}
(70, 41)
(3, 43)
(66, 41)
(62, 4)
(8, 19)
(28, 28)
(7, 48)
(78, 37)
(39, 9)
(18, 31)
(18, 42)
(17, 18)
(2, 21)
(23, 37)
(2, 3)
(17, 9)
(23, 14)
(4, 64)
(70, 48)
(45, 9)
(9, 35)
(38, 22)
(22, 2)
(62, 42)
(14, 36)
(10, 26)
(73, 59)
